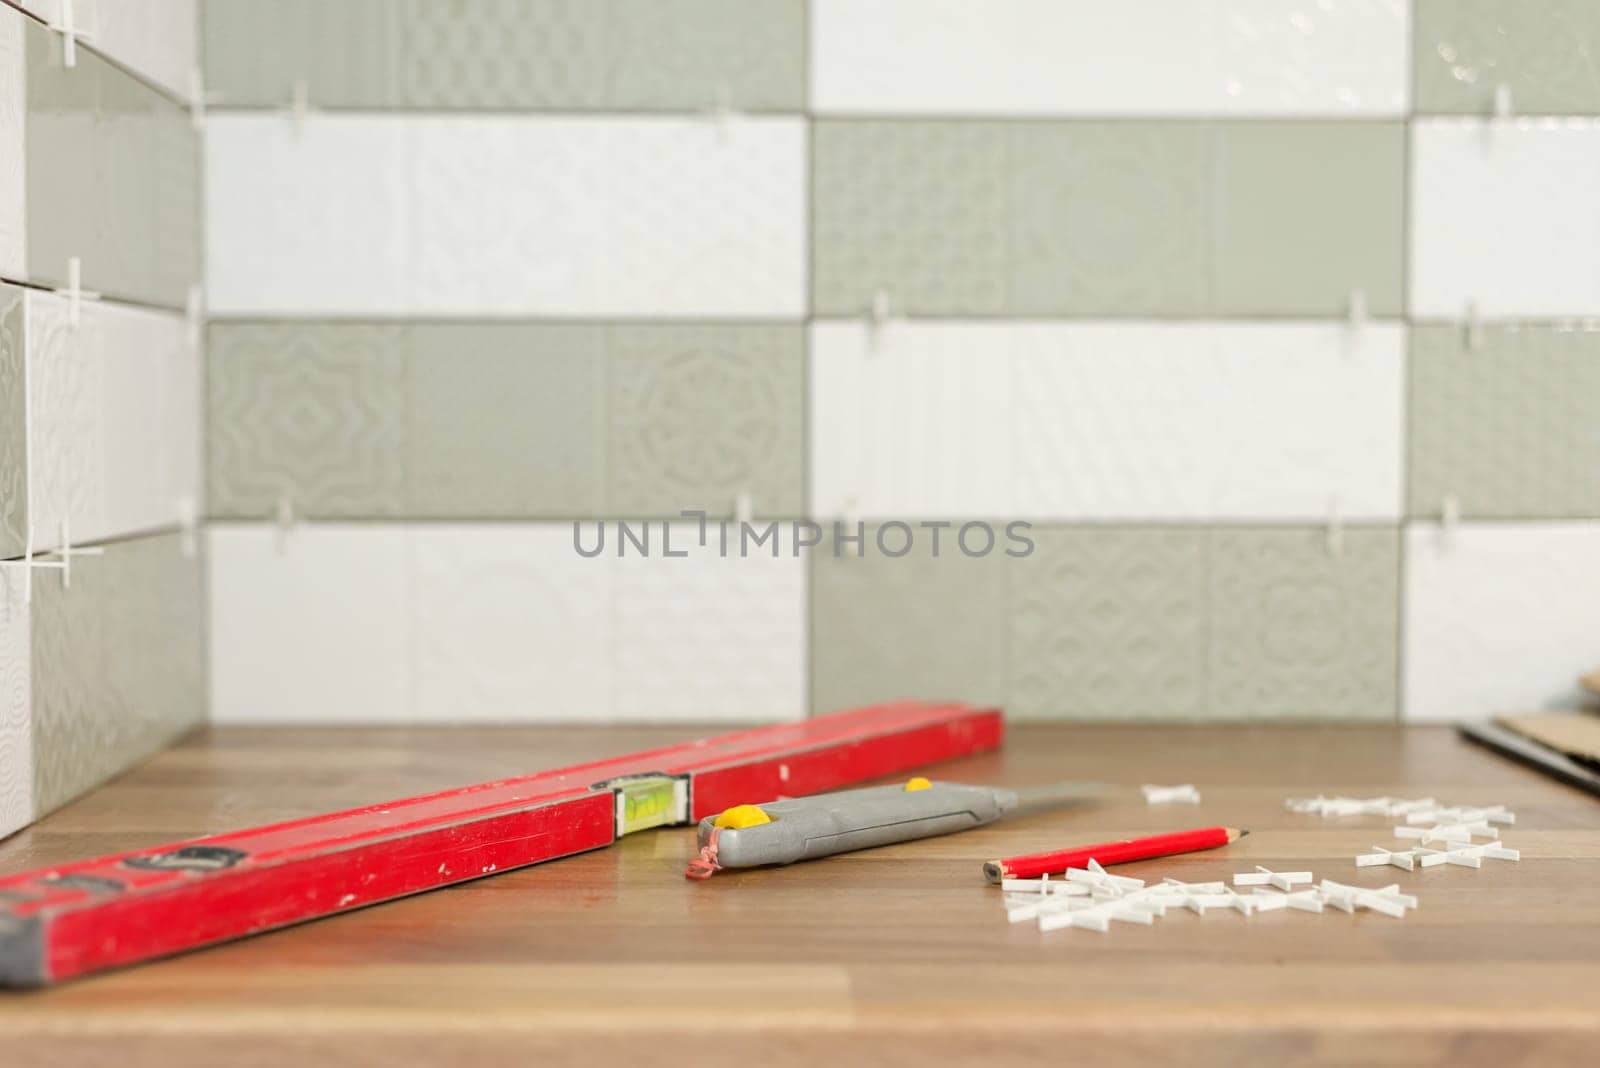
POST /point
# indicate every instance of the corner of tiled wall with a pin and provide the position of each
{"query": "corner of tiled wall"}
(101, 608)
(1191, 294)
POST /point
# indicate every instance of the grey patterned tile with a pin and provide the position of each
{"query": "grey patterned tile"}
(1109, 623)
(341, 49)
(13, 426)
(701, 414)
(1509, 430)
(1108, 218)
(112, 178)
(506, 420)
(1298, 632)
(13, 130)
(1543, 50)
(16, 703)
(917, 209)
(685, 53)
(1306, 213)
(117, 664)
(510, 54)
(60, 158)
(313, 412)
(502, 53)
(915, 627)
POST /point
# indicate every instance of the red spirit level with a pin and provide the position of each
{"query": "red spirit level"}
(79, 918)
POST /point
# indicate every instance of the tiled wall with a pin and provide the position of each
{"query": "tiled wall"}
(101, 406)
(1283, 343)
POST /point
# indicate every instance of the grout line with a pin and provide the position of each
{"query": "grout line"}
(103, 298)
(468, 320)
(111, 540)
(1407, 171)
(808, 240)
(604, 113)
(1297, 523)
(1331, 319)
(203, 363)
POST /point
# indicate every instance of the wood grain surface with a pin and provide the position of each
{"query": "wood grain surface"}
(897, 955)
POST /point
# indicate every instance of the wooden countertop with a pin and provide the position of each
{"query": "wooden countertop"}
(900, 954)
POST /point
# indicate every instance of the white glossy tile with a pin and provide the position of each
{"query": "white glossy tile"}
(13, 127)
(315, 631)
(1128, 421)
(704, 638)
(505, 215)
(16, 704)
(1154, 57)
(113, 419)
(510, 625)
(309, 219)
(572, 217)
(497, 623)
(1499, 617)
(1504, 215)
(911, 420)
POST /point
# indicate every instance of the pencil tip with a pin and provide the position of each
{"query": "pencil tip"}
(1241, 833)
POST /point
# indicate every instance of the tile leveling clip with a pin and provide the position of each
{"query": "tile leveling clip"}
(805, 828)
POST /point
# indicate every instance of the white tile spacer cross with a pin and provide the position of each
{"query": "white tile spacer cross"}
(1452, 832)
(1474, 327)
(200, 100)
(70, 34)
(721, 112)
(1198, 903)
(1468, 856)
(1356, 310)
(1400, 858)
(74, 291)
(283, 524)
(880, 319)
(1387, 899)
(1245, 906)
(188, 514)
(1269, 900)
(67, 552)
(1178, 886)
(1401, 806)
(1150, 900)
(1095, 918)
(1167, 795)
(194, 312)
(1039, 904)
(1095, 875)
(1462, 814)
(1343, 806)
(1502, 102)
(31, 560)
(299, 104)
(1449, 520)
(1283, 880)
(1303, 900)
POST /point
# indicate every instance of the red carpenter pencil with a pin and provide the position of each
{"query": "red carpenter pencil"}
(1161, 845)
